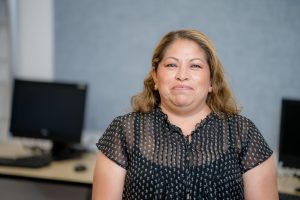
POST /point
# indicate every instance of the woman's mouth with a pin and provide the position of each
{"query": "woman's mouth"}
(182, 87)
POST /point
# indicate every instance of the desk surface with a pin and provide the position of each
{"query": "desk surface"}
(57, 171)
(288, 184)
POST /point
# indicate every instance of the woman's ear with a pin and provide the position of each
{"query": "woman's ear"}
(154, 75)
(210, 89)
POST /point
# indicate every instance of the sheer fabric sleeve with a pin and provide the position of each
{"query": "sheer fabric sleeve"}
(113, 144)
(254, 148)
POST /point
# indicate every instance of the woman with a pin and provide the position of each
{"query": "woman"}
(184, 138)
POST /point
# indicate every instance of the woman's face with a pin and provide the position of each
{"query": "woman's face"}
(183, 77)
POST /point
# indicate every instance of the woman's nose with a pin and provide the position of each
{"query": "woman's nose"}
(182, 74)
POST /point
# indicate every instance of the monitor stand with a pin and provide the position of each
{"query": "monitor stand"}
(64, 151)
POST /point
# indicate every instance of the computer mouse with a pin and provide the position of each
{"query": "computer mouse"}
(80, 167)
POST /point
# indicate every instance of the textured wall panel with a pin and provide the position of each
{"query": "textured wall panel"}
(108, 43)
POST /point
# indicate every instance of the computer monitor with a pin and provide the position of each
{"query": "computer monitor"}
(49, 110)
(289, 143)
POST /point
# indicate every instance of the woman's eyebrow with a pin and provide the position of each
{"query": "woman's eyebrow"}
(170, 57)
(193, 59)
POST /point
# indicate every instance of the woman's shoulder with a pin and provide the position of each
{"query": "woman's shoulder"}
(241, 124)
(239, 119)
(132, 117)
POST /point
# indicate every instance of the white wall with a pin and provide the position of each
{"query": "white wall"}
(4, 68)
(34, 47)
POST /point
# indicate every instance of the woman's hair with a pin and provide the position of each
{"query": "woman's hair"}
(220, 99)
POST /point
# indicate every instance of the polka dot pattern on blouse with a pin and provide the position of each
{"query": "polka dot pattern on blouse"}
(162, 163)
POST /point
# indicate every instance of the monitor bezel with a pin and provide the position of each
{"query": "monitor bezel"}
(286, 159)
(57, 136)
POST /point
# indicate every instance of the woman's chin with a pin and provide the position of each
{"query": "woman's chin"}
(182, 104)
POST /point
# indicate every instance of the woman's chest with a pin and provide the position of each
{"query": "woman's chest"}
(201, 173)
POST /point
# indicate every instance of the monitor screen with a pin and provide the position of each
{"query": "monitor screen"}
(289, 148)
(48, 110)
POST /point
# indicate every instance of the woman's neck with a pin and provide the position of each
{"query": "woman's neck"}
(186, 120)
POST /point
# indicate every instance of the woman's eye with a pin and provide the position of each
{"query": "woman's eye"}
(196, 66)
(170, 65)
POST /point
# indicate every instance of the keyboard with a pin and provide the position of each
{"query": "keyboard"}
(284, 196)
(35, 161)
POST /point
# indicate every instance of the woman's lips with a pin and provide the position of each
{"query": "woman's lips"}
(182, 87)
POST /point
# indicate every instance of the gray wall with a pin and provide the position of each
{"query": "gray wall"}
(108, 43)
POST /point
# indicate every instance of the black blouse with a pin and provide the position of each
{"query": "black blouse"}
(162, 163)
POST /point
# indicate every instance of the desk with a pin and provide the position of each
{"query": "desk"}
(58, 172)
(288, 183)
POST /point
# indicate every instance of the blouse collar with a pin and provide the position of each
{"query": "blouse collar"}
(212, 115)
